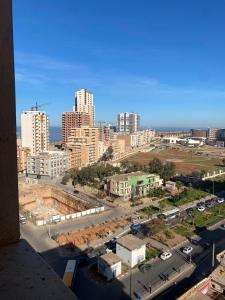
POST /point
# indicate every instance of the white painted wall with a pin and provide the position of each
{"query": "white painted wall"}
(111, 271)
(131, 258)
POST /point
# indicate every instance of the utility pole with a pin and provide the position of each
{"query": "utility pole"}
(130, 282)
(213, 256)
(49, 232)
(213, 187)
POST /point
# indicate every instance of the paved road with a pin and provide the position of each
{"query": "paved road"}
(204, 269)
(121, 289)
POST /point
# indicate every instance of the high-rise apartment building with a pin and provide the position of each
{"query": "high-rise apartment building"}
(213, 134)
(128, 122)
(72, 120)
(84, 142)
(35, 131)
(84, 102)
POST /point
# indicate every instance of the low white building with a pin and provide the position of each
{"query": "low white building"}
(131, 250)
(170, 185)
(171, 140)
(109, 265)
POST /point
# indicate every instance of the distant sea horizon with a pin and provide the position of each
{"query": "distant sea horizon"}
(56, 131)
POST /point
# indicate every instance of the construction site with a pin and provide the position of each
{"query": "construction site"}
(45, 202)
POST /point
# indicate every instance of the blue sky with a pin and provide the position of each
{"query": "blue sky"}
(163, 59)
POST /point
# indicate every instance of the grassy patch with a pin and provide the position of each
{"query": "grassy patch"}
(151, 210)
(186, 197)
(169, 235)
(209, 217)
(184, 231)
(152, 253)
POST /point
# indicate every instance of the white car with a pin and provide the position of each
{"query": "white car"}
(165, 255)
(187, 250)
(201, 208)
(220, 200)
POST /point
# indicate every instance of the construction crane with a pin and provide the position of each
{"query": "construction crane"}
(37, 106)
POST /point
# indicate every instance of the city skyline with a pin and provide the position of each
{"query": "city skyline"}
(153, 61)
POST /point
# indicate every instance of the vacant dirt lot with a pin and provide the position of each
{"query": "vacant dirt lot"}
(91, 234)
(186, 160)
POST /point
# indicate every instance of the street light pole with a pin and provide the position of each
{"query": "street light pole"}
(213, 256)
(130, 282)
(49, 232)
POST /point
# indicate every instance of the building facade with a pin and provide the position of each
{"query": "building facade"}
(104, 134)
(109, 265)
(35, 131)
(128, 122)
(213, 134)
(131, 250)
(73, 120)
(22, 154)
(49, 165)
(136, 184)
(84, 144)
(84, 102)
(118, 147)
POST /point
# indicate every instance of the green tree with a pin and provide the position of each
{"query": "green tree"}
(108, 155)
(65, 179)
(179, 185)
(155, 166)
(161, 206)
(168, 171)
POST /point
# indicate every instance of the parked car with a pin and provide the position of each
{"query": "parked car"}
(209, 204)
(23, 221)
(200, 204)
(201, 208)
(139, 294)
(145, 267)
(194, 242)
(220, 200)
(166, 255)
(206, 245)
(223, 225)
(187, 250)
(189, 211)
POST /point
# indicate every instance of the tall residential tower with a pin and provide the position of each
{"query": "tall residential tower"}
(35, 131)
(128, 122)
(84, 103)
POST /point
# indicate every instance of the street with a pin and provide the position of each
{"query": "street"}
(201, 256)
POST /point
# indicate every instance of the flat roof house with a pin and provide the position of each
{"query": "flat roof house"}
(131, 250)
(109, 265)
(126, 186)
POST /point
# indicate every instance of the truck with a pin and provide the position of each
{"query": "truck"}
(69, 273)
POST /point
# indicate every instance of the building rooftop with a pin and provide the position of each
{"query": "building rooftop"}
(218, 275)
(124, 177)
(130, 242)
(110, 258)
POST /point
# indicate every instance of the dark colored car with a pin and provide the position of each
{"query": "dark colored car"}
(200, 204)
(206, 245)
(189, 211)
(145, 268)
(139, 294)
(209, 204)
(194, 242)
